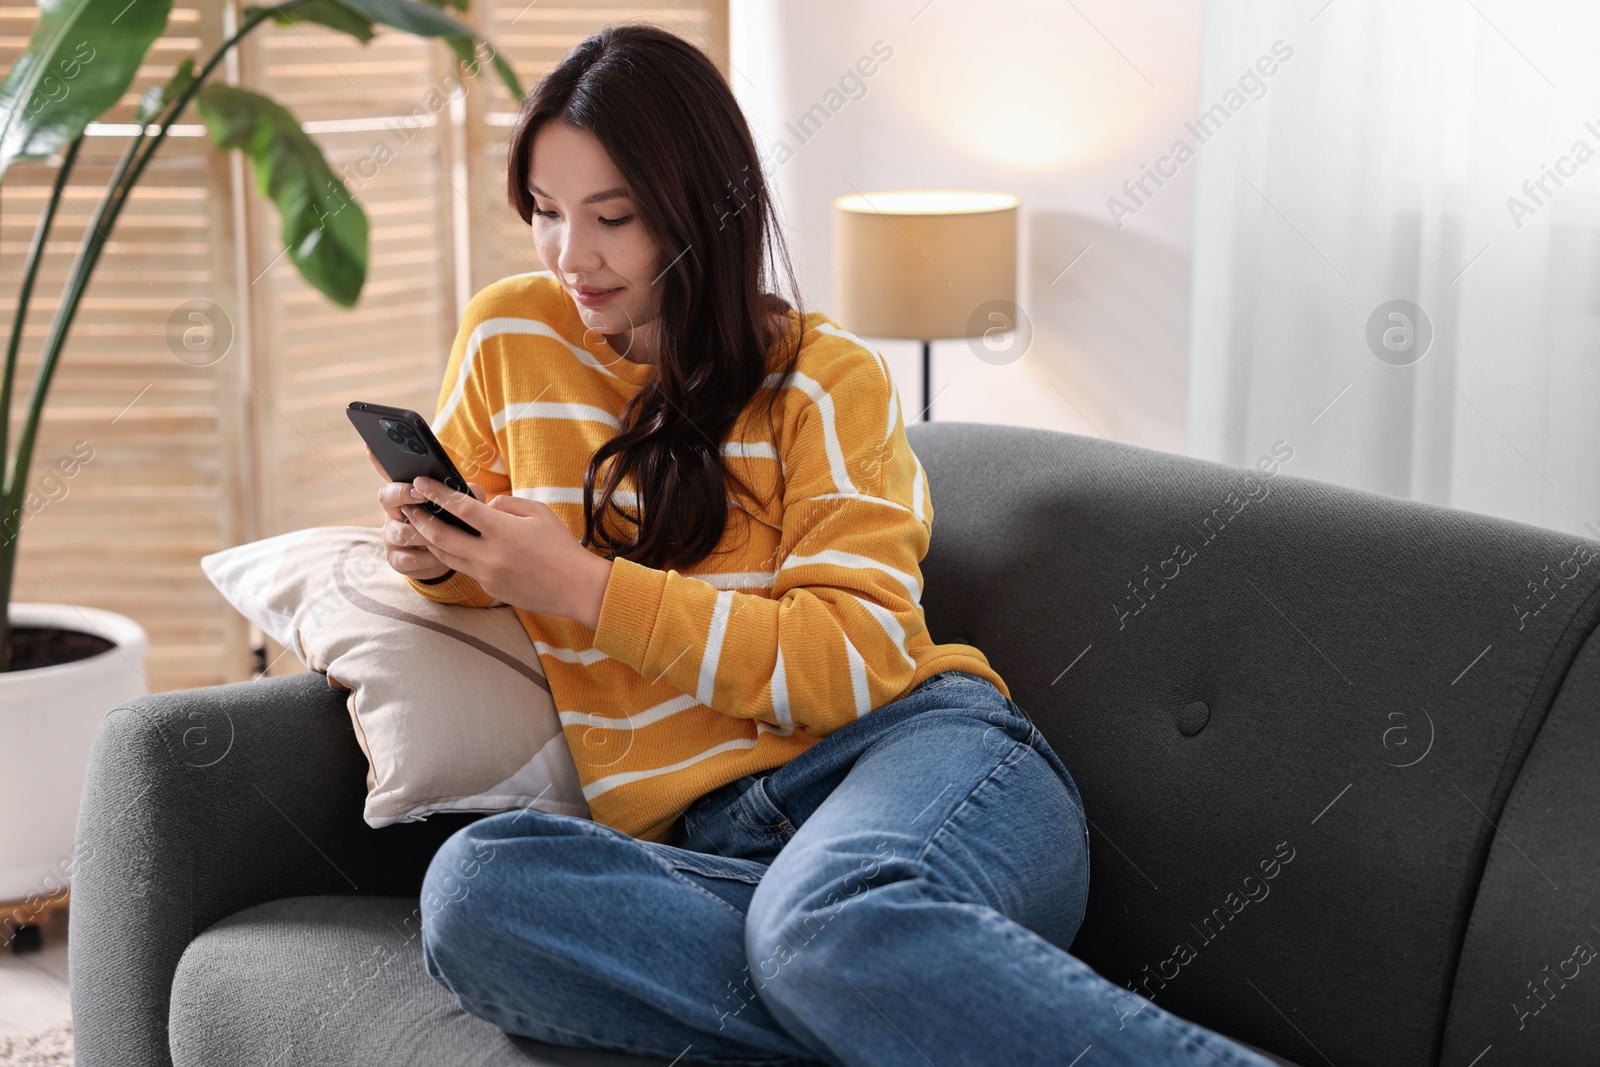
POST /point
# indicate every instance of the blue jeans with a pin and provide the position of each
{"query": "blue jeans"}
(904, 891)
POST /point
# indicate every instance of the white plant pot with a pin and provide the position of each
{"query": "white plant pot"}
(48, 719)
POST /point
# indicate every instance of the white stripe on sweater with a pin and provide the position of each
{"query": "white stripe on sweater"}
(830, 433)
(494, 328)
(858, 676)
(751, 449)
(551, 409)
(840, 558)
(883, 368)
(611, 781)
(867, 497)
(839, 331)
(707, 687)
(584, 656)
(780, 691)
(630, 722)
(737, 579)
(891, 626)
(916, 490)
(893, 418)
(824, 405)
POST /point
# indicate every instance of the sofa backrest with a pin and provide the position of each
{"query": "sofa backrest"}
(1295, 712)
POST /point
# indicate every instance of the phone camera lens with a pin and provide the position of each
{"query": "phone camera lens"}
(394, 436)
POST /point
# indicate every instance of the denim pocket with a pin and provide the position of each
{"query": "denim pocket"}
(736, 820)
(755, 811)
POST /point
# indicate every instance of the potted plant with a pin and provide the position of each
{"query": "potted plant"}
(63, 667)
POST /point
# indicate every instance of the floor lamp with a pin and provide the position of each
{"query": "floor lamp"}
(923, 264)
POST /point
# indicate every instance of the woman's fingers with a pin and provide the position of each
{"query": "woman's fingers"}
(417, 561)
(393, 496)
(407, 551)
(397, 533)
(452, 545)
(462, 505)
(446, 542)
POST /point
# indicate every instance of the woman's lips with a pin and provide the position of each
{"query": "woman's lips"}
(594, 299)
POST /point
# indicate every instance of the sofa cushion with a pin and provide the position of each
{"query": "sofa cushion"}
(336, 981)
(328, 594)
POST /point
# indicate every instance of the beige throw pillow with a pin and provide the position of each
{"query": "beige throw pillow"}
(450, 703)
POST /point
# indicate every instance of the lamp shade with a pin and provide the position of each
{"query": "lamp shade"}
(917, 263)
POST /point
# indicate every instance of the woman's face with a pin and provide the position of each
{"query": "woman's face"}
(589, 235)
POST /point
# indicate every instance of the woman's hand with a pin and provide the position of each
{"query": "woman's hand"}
(526, 556)
(406, 550)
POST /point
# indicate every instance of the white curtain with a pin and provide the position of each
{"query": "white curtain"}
(1386, 159)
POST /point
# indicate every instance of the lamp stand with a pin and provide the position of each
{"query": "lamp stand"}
(927, 381)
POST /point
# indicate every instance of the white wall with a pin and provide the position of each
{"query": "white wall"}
(1057, 103)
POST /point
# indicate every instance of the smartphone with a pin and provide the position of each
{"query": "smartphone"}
(407, 449)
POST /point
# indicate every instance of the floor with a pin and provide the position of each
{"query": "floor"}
(33, 989)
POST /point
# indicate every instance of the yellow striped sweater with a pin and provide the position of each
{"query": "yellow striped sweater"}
(807, 616)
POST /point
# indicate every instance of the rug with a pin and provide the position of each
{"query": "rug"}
(47, 1048)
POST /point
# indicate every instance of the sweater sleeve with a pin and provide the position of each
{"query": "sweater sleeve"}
(830, 642)
(463, 424)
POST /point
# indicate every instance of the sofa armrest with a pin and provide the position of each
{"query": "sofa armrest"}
(197, 804)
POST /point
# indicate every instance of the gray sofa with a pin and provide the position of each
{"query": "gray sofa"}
(1339, 752)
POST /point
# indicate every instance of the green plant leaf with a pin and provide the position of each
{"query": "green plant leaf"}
(425, 21)
(508, 76)
(323, 227)
(501, 67)
(81, 59)
(408, 15)
(328, 13)
(157, 97)
(463, 47)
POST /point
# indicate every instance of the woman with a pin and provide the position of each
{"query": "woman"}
(817, 836)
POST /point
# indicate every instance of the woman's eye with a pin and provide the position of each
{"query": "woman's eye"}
(603, 221)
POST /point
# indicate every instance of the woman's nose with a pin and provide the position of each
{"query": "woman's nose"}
(578, 256)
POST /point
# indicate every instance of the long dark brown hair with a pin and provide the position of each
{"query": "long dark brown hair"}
(663, 113)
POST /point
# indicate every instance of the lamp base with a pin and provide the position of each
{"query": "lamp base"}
(927, 381)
